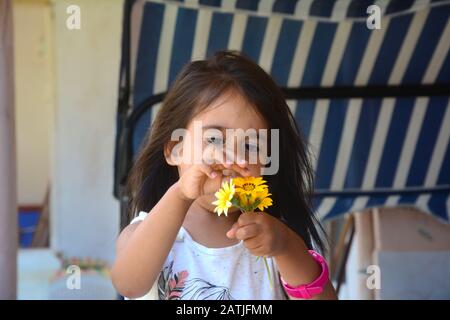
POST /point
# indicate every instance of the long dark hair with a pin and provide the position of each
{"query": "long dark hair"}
(198, 85)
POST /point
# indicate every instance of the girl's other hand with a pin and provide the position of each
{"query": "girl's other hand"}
(203, 179)
(263, 234)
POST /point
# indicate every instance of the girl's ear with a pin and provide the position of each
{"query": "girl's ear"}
(173, 152)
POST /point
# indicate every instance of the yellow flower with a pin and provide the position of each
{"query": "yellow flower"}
(252, 193)
(247, 194)
(224, 196)
(264, 200)
(249, 185)
(245, 200)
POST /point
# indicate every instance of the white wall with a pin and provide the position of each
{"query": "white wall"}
(85, 216)
(34, 96)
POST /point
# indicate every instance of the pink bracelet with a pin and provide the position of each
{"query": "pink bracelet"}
(307, 291)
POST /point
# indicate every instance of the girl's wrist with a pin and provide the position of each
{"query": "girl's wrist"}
(292, 243)
(177, 190)
(296, 254)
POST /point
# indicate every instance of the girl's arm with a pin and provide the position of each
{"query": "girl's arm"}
(266, 236)
(297, 267)
(143, 247)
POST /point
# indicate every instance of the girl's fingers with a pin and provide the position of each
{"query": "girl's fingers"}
(219, 167)
(232, 232)
(215, 174)
(247, 218)
(247, 232)
(241, 169)
(226, 165)
(242, 163)
(240, 166)
(253, 243)
(211, 185)
(209, 171)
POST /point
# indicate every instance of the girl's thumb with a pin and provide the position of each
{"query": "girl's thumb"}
(232, 232)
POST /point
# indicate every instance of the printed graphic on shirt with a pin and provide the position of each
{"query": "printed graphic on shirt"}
(175, 286)
(170, 285)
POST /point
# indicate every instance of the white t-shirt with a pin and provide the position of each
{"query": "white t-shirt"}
(195, 272)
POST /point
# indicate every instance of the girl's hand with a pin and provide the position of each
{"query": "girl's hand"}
(263, 235)
(203, 179)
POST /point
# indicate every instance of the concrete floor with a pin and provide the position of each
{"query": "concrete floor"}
(36, 281)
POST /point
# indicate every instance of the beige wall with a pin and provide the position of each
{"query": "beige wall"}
(66, 91)
(34, 95)
(85, 216)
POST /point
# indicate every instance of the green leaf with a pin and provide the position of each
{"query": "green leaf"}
(256, 204)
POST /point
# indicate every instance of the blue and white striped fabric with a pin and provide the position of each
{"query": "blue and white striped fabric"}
(324, 10)
(369, 152)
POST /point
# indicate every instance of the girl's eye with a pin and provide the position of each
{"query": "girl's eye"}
(214, 140)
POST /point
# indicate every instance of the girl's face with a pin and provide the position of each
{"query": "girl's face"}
(230, 111)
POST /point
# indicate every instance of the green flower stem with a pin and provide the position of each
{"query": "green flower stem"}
(243, 209)
(267, 269)
(268, 273)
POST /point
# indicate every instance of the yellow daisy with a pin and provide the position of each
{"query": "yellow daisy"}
(245, 200)
(265, 203)
(256, 199)
(264, 200)
(249, 185)
(247, 194)
(224, 196)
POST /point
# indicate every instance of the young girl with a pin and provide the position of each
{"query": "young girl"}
(176, 241)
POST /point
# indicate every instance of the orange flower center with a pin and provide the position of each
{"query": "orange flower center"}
(248, 186)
